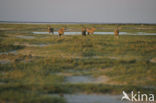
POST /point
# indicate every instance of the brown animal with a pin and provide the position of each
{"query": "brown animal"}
(91, 31)
(83, 31)
(61, 32)
(116, 33)
(50, 30)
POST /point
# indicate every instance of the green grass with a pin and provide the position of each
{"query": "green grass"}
(28, 28)
(21, 96)
(35, 70)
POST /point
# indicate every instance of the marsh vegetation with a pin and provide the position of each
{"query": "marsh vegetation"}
(34, 72)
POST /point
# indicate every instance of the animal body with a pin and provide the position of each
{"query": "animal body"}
(91, 31)
(50, 30)
(116, 33)
(83, 31)
(61, 32)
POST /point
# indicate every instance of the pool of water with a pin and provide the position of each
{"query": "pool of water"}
(9, 52)
(91, 98)
(25, 37)
(98, 33)
(78, 33)
(32, 45)
(1, 83)
(36, 45)
(79, 79)
(86, 79)
(4, 61)
(39, 45)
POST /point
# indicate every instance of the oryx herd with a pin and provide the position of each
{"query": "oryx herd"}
(85, 31)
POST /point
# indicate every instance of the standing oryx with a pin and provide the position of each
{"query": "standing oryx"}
(91, 31)
(50, 30)
(116, 33)
(61, 31)
(83, 31)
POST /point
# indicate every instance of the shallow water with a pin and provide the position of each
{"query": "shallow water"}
(39, 45)
(4, 61)
(142, 33)
(25, 37)
(79, 79)
(10, 52)
(1, 83)
(91, 98)
(99, 33)
(77, 33)
(36, 45)
(32, 45)
(86, 79)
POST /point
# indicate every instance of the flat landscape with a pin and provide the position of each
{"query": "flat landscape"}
(45, 68)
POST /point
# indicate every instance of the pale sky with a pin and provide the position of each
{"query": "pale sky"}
(101, 11)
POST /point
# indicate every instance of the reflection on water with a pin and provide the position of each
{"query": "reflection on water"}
(98, 33)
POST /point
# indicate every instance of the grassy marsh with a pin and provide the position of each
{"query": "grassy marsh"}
(34, 70)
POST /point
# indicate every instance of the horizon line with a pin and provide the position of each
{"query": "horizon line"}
(42, 22)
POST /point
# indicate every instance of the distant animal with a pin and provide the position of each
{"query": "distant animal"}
(116, 33)
(50, 30)
(61, 32)
(83, 31)
(91, 31)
